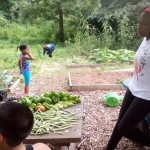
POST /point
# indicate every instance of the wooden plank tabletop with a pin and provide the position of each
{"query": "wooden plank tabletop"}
(70, 135)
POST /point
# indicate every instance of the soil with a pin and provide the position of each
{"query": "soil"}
(98, 119)
(96, 77)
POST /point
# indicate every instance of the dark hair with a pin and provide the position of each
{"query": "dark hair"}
(22, 46)
(45, 47)
(16, 122)
(145, 10)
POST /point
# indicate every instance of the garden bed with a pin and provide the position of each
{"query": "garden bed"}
(108, 77)
(95, 80)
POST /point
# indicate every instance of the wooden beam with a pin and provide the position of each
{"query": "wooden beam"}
(13, 87)
(92, 87)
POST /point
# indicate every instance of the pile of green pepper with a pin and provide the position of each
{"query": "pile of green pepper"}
(51, 100)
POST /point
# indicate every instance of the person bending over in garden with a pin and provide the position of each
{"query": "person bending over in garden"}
(25, 65)
(136, 103)
(48, 48)
(16, 122)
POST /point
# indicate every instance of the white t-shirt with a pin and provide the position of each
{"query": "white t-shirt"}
(140, 83)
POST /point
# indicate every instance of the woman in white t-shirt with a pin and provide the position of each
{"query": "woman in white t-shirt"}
(136, 103)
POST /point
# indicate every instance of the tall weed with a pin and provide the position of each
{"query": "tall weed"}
(86, 39)
(27, 33)
(125, 37)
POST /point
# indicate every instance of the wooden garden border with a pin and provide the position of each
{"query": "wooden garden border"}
(83, 65)
(13, 87)
(94, 65)
(92, 87)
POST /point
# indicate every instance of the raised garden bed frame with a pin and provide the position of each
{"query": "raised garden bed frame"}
(92, 87)
(12, 88)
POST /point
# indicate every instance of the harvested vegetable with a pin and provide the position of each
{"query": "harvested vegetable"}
(48, 100)
(52, 121)
(40, 107)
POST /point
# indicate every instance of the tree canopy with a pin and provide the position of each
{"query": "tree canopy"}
(67, 14)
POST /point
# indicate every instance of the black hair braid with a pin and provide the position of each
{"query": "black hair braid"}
(17, 48)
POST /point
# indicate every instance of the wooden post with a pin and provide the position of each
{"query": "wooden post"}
(12, 88)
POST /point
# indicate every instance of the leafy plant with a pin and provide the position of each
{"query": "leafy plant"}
(5, 78)
(105, 55)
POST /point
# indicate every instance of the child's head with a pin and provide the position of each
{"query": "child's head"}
(45, 47)
(16, 122)
(144, 23)
(23, 47)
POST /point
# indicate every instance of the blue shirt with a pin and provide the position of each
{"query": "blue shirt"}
(50, 47)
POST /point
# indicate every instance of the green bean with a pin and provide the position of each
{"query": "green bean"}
(53, 121)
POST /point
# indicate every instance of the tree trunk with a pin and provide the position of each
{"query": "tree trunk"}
(61, 26)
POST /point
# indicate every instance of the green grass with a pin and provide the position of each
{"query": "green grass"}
(61, 57)
(43, 65)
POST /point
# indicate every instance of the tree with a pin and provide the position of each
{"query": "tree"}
(56, 10)
(5, 7)
(76, 7)
(117, 9)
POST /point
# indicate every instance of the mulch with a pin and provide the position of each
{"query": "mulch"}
(98, 119)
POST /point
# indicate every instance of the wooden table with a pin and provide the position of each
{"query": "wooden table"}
(71, 135)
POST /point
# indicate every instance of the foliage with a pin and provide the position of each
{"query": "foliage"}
(29, 11)
(10, 55)
(121, 20)
(16, 33)
(5, 7)
(110, 56)
(89, 38)
(5, 79)
(82, 26)
(115, 4)
(3, 20)
(7, 56)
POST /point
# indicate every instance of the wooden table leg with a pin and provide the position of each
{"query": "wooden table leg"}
(64, 146)
(58, 147)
